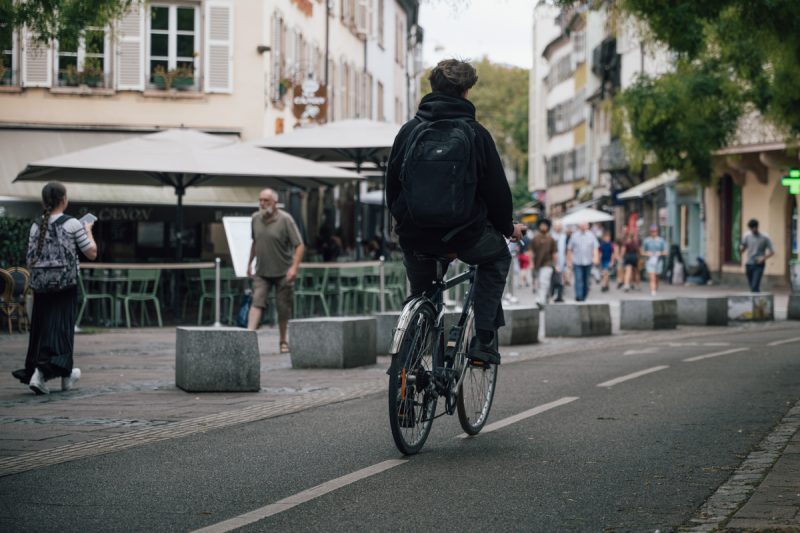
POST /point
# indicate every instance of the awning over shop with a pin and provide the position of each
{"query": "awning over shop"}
(650, 186)
(560, 193)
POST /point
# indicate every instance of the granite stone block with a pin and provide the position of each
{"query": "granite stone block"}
(703, 310)
(333, 342)
(522, 326)
(217, 359)
(578, 319)
(648, 314)
(756, 306)
(384, 330)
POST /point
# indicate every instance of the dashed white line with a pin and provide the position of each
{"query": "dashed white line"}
(784, 341)
(714, 354)
(615, 381)
(299, 498)
(523, 415)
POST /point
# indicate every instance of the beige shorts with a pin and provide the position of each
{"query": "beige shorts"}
(284, 294)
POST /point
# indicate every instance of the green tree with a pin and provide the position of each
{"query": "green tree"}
(732, 56)
(61, 19)
(501, 102)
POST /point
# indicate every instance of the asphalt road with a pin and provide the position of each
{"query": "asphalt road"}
(640, 455)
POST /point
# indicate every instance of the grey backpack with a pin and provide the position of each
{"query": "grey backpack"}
(56, 267)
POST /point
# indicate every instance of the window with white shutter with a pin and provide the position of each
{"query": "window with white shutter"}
(83, 61)
(130, 68)
(37, 62)
(219, 47)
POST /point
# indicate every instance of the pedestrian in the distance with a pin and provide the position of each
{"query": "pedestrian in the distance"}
(630, 260)
(654, 249)
(557, 281)
(545, 255)
(582, 253)
(759, 249)
(52, 256)
(607, 254)
(278, 249)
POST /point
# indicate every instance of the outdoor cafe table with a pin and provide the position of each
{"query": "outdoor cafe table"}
(150, 266)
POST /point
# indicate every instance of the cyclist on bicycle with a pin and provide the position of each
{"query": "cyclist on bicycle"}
(448, 194)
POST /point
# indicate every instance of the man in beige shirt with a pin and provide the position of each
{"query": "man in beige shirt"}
(278, 249)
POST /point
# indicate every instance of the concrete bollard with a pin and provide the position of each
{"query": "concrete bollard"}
(648, 314)
(385, 324)
(703, 310)
(333, 342)
(579, 319)
(793, 312)
(217, 359)
(522, 326)
(756, 306)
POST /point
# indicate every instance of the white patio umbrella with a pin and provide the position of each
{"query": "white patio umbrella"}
(182, 158)
(587, 215)
(358, 141)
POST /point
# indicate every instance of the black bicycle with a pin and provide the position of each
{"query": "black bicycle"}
(426, 367)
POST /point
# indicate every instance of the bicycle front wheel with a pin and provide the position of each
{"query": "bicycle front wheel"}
(477, 388)
(412, 403)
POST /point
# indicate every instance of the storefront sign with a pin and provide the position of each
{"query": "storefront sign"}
(310, 102)
(128, 214)
(792, 181)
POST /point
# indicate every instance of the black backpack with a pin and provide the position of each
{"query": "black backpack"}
(439, 174)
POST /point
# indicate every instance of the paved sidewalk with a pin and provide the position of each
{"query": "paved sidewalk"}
(127, 397)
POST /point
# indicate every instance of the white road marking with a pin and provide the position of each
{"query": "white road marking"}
(640, 351)
(784, 341)
(615, 381)
(715, 354)
(301, 497)
(523, 415)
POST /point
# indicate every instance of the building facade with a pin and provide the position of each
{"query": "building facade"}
(220, 66)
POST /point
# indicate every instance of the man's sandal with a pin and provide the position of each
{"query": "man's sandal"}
(284, 347)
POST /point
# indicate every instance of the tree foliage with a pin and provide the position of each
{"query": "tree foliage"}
(14, 244)
(731, 56)
(61, 19)
(501, 102)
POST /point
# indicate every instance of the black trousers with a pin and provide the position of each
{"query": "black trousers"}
(493, 260)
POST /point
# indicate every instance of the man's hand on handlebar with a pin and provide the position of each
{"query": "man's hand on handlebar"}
(519, 231)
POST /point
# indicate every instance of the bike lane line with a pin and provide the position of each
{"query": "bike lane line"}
(300, 498)
(714, 354)
(522, 416)
(627, 377)
(784, 341)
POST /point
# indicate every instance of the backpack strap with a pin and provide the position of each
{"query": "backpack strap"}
(60, 220)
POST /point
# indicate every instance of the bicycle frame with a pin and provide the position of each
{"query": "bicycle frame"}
(442, 354)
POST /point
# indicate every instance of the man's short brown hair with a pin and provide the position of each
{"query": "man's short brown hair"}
(453, 77)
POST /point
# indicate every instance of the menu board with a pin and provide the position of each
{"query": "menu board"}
(239, 235)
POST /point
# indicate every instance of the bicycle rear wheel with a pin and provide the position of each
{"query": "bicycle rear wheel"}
(412, 404)
(477, 388)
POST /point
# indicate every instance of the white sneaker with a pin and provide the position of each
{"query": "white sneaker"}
(37, 384)
(68, 383)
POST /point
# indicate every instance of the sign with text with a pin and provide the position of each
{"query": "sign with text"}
(310, 102)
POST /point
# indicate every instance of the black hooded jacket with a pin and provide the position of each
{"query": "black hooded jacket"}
(493, 202)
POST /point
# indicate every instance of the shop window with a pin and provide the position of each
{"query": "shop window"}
(730, 197)
(172, 46)
(83, 61)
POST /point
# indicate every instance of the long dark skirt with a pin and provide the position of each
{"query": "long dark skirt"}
(52, 335)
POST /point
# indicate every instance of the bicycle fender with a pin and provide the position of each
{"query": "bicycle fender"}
(405, 318)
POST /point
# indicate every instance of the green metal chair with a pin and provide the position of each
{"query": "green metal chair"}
(87, 296)
(368, 291)
(340, 290)
(208, 279)
(310, 289)
(141, 287)
(395, 284)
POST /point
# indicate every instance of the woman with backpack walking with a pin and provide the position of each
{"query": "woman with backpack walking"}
(53, 263)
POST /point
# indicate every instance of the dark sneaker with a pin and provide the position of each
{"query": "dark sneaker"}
(483, 352)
